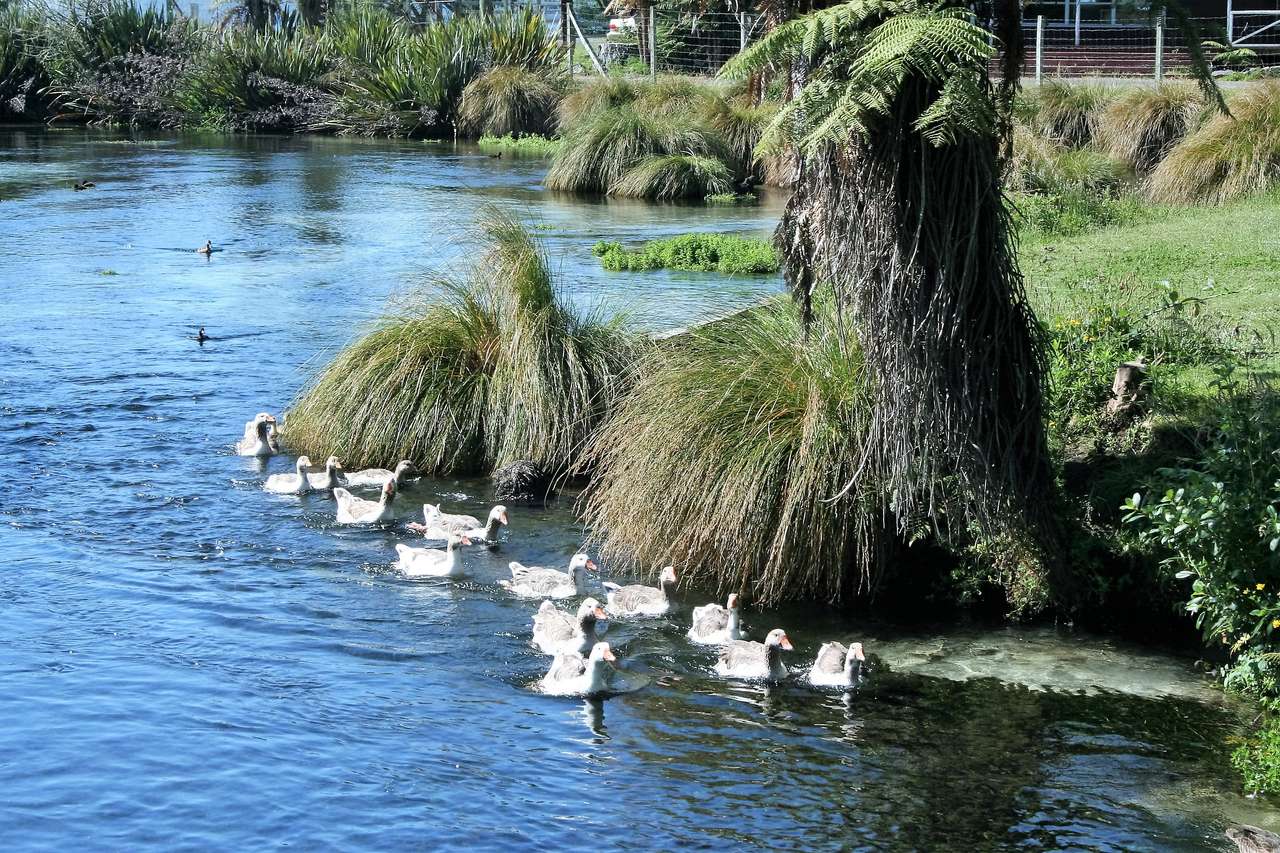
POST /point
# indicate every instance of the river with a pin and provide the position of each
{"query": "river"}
(190, 663)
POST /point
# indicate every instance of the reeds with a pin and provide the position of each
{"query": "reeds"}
(731, 455)
(1229, 157)
(480, 372)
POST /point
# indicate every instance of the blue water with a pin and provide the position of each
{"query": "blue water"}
(189, 663)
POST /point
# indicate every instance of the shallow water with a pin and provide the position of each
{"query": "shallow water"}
(190, 663)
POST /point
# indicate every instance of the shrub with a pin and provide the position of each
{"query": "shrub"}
(22, 74)
(724, 253)
(1141, 125)
(491, 369)
(1258, 759)
(1218, 522)
(1229, 157)
(733, 458)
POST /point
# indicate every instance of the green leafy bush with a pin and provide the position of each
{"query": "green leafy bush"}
(1258, 758)
(725, 253)
(1218, 522)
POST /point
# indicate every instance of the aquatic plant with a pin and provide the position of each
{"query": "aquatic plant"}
(742, 125)
(1229, 156)
(1070, 112)
(509, 100)
(22, 74)
(725, 253)
(666, 177)
(1142, 124)
(735, 457)
(597, 94)
(475, 373)
(530, 145)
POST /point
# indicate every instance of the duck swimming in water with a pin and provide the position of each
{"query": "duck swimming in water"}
(206, 249)
(83, 185)
(201, 337)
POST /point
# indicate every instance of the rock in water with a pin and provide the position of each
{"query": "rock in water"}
(1252, 839)
(522, 481)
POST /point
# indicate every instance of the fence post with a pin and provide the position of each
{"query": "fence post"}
(653, 41)
(1078, 23)
(1231, 24)
(1160, 46)
(742, 31)
(195, 11)
(1039, 48)
(568, 36)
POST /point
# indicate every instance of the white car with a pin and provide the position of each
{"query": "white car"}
(622, 27)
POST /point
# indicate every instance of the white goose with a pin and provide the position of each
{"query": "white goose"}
(556, 632)
(381, 476)
(716, 625)
(330, 478)
(640, 600)
(257, 440)
(745, 659)
(431, 562)
(539, 582)
(354, 510)
(297, 483)
(571, 675)
(440, 524)
(837, 666)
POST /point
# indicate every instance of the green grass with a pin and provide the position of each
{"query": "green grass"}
(724, 253)
(521, 146)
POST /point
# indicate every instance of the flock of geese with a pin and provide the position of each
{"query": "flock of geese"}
(582, 663)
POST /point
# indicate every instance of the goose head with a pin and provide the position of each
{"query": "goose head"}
(732, 604)
(777, 639)
(264, 426)
(854, 660)
(332, 464)
(599, 665)
(429, 512)
(404, 469)
(498, 514)
(589, 611)
(304, 462)
(666, 577)
(578, 568)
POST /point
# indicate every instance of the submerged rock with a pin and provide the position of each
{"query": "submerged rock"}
(522, 481)
(1252, 839)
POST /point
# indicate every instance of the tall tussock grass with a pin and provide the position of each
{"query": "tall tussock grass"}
(1229, 157)
(731, 456)
(484, 370)
(1068, 112)
(1141, 125)
(510, 100)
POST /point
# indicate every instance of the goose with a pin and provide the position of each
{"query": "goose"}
(259, 442)
(298, 483)
(745, 659)
(354, 510)
(431, 562)
(381, 476)
(837, 666)
(331, 476)
(640, 600)
(571, 675)
(554, 631)
(440, 524)
(539, 582)
(716, 625)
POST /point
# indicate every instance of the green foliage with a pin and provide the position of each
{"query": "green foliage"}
(1070, 113)
(522, 146)
(731, 458)
(666, 177)
(509, 100)
(22, 74)
(480, 372)
(724, 253)
(1071, 212)
(1229, 157)
(1218, 521)
(1258, 759)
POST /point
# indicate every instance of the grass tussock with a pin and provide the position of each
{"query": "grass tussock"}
(667, 177)
(731, 456)
(1142, 125)
(1068, 112)
(487, 369)
(1229, 157)
(509, 100)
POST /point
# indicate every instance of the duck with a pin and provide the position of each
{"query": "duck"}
(714, 625)
(83, 185)
(539, 582)
(747, 659)
(555, 631)
(640, 600)
(298, 483)
(440, 524)
(331, 476)
(206, 249)
(354, 510)
(201, 337)
(431, 562)
(257, 438)
(381, 476)
(837, 666)
(572, 675)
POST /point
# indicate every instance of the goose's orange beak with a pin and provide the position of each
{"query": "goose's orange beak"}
(786, 643)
